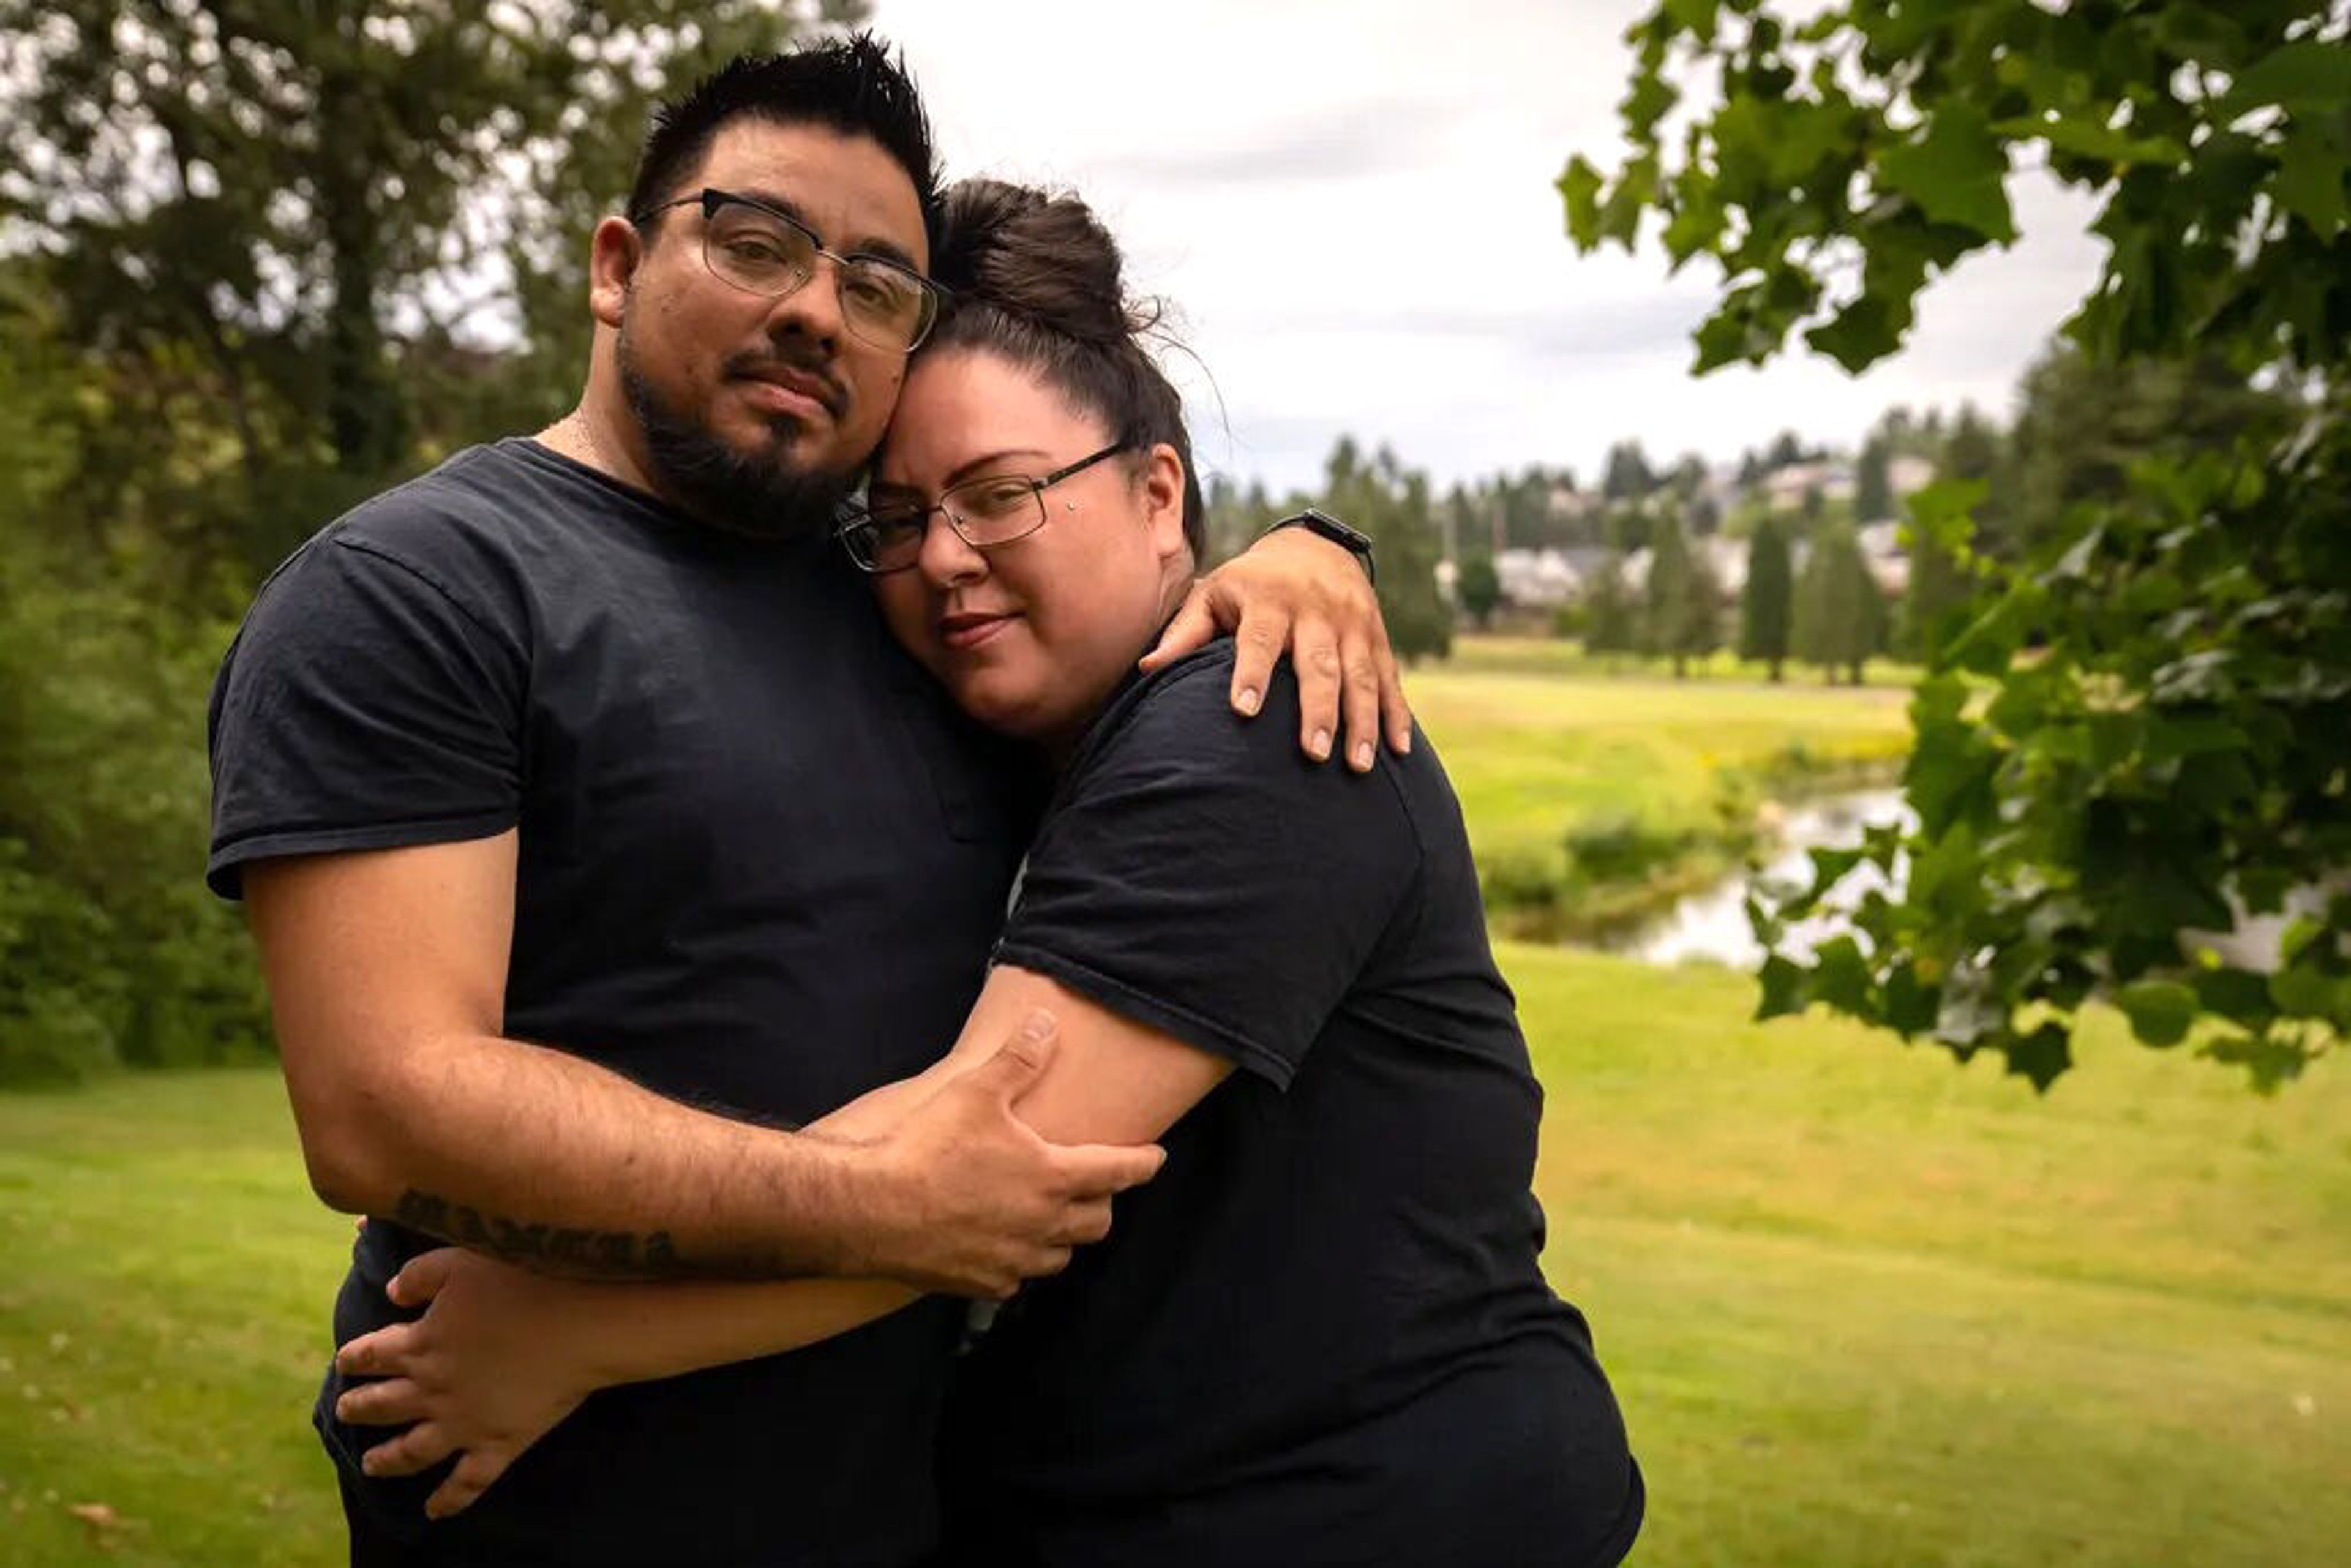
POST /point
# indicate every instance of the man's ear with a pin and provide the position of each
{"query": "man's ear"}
(613, 254)
(1163, 500)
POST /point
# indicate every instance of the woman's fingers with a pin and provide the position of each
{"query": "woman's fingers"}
(420, 1447)
(477, 1469)
(381, 1353)
(390, 1403)
(421, 1279)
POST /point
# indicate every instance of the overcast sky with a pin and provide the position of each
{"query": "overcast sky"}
(1350, 202)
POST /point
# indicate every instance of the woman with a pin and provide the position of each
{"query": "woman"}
(1320, 1337)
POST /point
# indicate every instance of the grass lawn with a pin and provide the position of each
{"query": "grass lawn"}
(1536, 739)
(1862, 1307)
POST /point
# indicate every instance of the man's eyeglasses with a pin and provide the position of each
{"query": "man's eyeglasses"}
(984, 512)
(760, 250)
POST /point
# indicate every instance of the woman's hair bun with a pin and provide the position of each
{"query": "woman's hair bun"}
(1040, 256)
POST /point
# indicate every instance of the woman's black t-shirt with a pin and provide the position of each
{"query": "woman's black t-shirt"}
(1320, 1335)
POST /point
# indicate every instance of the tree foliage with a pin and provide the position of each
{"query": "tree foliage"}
(1479, 588)
(1767, 603)
(1840, 618)
(1391, 503)
(2173, 755)
(1682, 609)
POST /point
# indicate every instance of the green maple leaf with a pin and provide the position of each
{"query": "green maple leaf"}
(1957, 171)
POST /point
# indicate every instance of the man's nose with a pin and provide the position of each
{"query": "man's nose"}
(813, 310)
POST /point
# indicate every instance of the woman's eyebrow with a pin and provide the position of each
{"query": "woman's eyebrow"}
(958, 476)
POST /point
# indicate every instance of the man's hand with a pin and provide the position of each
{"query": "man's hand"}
(979, 1201)
(1296, 592)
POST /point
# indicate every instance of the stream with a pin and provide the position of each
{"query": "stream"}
(1711, 927)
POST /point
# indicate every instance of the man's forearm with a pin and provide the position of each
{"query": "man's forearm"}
(545, 1159)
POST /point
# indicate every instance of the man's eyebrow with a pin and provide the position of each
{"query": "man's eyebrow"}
(872, 244)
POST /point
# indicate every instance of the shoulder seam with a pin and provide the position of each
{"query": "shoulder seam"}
(400, 564)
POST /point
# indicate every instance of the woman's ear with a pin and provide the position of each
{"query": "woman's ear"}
(1163, 500)
(613, 254)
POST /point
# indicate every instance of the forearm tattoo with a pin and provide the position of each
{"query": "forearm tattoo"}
(549, 1246)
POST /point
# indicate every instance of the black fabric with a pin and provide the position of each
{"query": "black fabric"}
(1320, 1335)
(761, 862)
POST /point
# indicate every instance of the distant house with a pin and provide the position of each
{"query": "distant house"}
(1538, 579)
(1785, 489)
(1908, 474)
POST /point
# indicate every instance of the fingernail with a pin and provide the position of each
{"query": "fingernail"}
(1251, 700)
(1364, 756)
(1037, 1026)
(1321, 745)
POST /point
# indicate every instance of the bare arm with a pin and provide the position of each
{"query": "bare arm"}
(387, 975)
(501, 1356)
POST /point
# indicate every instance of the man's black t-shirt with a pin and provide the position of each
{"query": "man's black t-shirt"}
(1320, 1335)
(761, 860)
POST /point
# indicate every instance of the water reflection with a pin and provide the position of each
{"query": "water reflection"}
(1711, 927)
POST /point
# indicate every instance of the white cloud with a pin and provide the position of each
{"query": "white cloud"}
(1350, 204)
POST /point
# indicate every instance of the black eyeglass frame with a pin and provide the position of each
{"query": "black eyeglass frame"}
(710, 199)
(864, 517)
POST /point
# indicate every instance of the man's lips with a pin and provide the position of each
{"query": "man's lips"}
(970, 629)
(796, 392)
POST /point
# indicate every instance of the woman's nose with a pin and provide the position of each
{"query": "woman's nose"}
(946, 556)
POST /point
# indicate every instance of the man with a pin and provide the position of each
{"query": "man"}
(592, 828)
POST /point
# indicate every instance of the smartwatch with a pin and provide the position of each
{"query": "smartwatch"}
(1354, 542)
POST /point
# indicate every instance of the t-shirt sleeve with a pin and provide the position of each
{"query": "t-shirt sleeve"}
(1201, 877)
(363, 706)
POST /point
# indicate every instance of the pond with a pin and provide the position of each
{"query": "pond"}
(1711, 927)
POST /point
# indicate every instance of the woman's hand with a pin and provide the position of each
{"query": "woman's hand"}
(492, 1366)
(1296, 594)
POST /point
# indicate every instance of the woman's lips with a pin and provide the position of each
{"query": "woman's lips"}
(960, 633)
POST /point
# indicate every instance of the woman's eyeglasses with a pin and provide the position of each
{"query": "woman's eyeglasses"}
(984, 512)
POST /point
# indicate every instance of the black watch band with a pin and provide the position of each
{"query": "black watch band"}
(1354, 542)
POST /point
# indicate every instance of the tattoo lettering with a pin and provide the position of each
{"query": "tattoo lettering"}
(561, 1250)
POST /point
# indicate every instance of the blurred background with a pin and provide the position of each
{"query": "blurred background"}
(1907, 761)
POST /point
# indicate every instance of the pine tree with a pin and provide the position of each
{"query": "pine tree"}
(1767, 606)
(1840, 619)
(1682, 606)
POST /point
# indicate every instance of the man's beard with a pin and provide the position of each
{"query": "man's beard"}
(769, 497)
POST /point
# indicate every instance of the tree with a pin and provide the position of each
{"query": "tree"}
(1839, 618)
(1682, 611)
(1479, 588)
(1610, 624)
(2080, 429)
(1766, 606)
(1873, 494)
(272, 226)
(1391, 504)
(1628, 476)
(2173, 755)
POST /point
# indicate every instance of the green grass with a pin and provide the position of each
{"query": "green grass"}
(1862, 1307)
(1535, 742)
